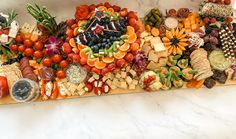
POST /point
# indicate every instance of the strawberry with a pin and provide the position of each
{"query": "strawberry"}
(229, 19)
(88, 87)
(213, 20)
(92, 7)
(98, 91)
(116, 8)
(107, 5)
(227, 2)
(87, 67)
(105, 88)
(206, 20)
(105, 71)
(95, 70)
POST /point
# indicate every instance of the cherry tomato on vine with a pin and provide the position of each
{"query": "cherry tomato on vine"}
(57, 58)
(47, 62)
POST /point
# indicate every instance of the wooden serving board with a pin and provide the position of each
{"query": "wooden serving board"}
(8, 100)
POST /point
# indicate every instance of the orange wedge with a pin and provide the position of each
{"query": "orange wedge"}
(76, 31)
(120, 54)
(130, 30)
(111, 10)
(72, 42)
(83, 54)
(91, 62)
(108, 59)
(102, 8)
(100, 64)
(125, 47)
(81, 46)
(132, 38)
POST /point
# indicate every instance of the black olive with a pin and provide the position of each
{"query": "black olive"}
(2, 19)
(209, 83)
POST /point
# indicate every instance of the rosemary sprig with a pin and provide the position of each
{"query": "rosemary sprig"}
(43, 17)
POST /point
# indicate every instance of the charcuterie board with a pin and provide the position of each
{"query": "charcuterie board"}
(106, 49)
(8, 100)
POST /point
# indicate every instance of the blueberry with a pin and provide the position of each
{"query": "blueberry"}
(2, 19)
(107, 46)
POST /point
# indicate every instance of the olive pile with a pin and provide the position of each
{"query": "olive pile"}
(154, 18)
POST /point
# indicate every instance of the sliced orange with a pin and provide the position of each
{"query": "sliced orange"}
(125, 47)
(130, 30)
(76, 31)
(111, 10)
(72, 42)
(120, 54)
(100, 64)
(102, 8)
(81, 46)
(108, 59)
(83, 54)
(132, 38)
(91, 62)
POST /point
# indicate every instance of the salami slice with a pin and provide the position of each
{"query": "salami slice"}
(32, 77)
(46, 73)
(25, 59)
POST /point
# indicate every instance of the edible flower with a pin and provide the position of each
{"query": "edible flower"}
(53, 47)
(82, 12)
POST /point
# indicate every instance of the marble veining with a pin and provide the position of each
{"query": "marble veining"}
(178, 114)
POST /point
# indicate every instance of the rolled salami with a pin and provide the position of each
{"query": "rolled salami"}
(218, 10)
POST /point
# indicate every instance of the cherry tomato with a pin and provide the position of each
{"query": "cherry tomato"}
(19, 39)
(38, 45)
(28, 43)
(83, 61)
(38, 54)
(57, 58)
(21, 48)
(73, 27)
(129, 57)
(47, 62)
(64, 64)
(29, 51)
(61, 74)
(70, 22)
(13, 47)
(76, 58)
(70, 33)
(124, 12)
(66, 48)
(132, 22)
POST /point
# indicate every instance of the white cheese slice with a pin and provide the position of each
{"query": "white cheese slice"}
(4, 38)
(159, 47)
(14, 29)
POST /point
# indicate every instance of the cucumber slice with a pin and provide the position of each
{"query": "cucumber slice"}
(218, 60)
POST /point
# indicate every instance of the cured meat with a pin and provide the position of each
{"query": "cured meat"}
(46, 74)
(26, 70)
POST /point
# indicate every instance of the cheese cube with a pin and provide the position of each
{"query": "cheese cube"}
(72, 88)
(146, 48)
(128, 79)
(159, 47)
(163, 53)
(80, 86)
(109, 82)
(155, 40)
(123, 74)
(95, 76)
(152, 56)
(132, 72)
(4, 38)
(115, 81)
(135, 82)
(128, 68)
(142, 43)
(148, 38)
(144, 34)
(118, 75)
(132, 86)
(163, 61)
(81, 92)
(152, 65)
(113, 87)
(14, 29)
(123, 85)
(104, 78)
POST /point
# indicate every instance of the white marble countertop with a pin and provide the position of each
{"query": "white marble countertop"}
(180, 114)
